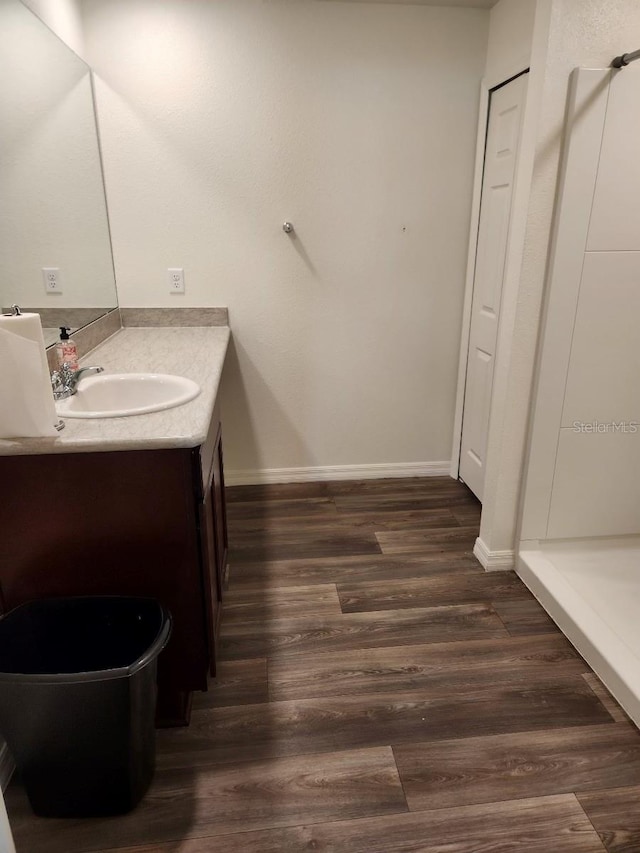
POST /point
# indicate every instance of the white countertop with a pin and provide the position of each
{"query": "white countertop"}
(196, 352)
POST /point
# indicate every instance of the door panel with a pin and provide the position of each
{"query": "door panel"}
(501, 154)
(479, 399)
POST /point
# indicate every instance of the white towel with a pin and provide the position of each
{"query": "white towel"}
(27, 409)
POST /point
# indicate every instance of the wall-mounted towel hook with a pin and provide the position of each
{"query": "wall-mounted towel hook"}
(287, 228)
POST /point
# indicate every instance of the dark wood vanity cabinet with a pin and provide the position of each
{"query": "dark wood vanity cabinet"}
(139, 522)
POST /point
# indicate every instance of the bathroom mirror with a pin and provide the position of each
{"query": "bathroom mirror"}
(53, 213)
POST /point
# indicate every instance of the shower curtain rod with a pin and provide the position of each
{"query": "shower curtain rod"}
(625, 59)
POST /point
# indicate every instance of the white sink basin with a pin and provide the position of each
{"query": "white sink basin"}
(118, 395)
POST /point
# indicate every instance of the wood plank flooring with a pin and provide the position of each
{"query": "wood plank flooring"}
(377, 693)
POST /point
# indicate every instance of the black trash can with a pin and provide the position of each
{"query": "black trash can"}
(77, 700)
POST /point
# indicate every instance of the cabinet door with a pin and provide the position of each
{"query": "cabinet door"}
(220, 515)
(209, 558)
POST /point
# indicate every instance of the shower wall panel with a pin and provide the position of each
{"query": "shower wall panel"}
(584, 469)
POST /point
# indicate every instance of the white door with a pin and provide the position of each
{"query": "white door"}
(500, 158)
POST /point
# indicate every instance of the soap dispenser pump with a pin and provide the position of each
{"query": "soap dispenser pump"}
(66, 349)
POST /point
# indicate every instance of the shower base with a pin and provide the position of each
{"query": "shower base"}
(591, 589)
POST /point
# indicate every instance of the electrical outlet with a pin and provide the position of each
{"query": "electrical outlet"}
(176, 280)
(51, 277)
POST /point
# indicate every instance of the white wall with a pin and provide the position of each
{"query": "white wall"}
(6, 838)
(219, 121)
(580, 33)
(63, 17)
(511, 24)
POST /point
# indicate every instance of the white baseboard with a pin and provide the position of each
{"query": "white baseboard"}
(260, 476)
(493, 561)
(6, 765)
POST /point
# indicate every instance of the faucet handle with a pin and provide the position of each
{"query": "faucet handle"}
(60, 383)
(66, 373)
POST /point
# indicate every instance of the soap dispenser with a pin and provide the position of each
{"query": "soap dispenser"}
(66, 349)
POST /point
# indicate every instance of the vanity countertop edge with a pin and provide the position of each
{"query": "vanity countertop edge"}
(195, 352)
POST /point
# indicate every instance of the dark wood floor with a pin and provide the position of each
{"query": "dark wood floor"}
(378, 693)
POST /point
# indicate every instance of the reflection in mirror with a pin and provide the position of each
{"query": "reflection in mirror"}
(52, 205)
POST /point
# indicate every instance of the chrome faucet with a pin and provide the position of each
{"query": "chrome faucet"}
(64, 382)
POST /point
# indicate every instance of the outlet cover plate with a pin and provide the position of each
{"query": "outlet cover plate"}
(176, 280)
(51, 278)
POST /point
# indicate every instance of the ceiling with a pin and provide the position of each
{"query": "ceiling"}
(476, 4)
